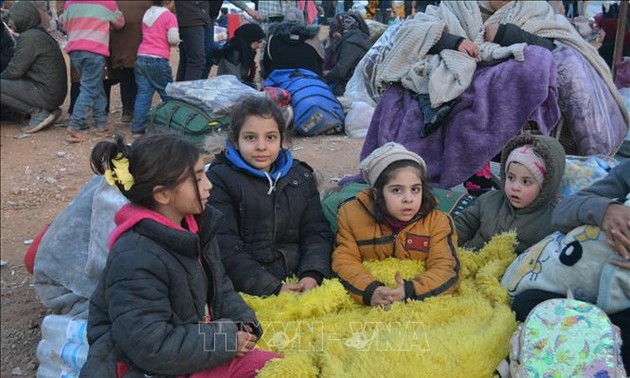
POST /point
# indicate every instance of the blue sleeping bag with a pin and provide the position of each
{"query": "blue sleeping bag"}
(315, 109)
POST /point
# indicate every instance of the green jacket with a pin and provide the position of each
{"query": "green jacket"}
(37, 56)
(492, 213)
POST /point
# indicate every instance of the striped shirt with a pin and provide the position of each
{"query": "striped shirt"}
(88, 22)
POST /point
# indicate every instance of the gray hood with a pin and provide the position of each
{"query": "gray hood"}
(24, 16)
(552, 152)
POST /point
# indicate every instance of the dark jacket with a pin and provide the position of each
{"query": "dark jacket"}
(347, 54)
(509, 34)
(194, 13)
(148, 307)
(124, 42)
(447, 41)
(492, 213)
(8, 47)
(267, 238)
(37, 57)
(293, 45)
(589, 204)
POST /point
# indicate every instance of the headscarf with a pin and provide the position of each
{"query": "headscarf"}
(343, 23)
(242, 41)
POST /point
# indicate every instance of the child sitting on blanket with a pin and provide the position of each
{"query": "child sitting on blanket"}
(395, 217)
(164, 305)
(274, 225)
(531, 170)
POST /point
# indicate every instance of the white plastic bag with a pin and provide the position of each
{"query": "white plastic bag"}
(358, 119)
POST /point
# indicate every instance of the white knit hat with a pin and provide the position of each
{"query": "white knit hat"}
(526, 156)
(376, 162)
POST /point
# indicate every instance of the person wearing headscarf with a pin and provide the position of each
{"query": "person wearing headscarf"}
(350, 40)
(238, 56)
(293, 44)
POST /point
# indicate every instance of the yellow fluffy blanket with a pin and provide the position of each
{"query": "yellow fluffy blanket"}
(324, 333)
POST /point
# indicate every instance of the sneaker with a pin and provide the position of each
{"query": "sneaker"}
(41, 120)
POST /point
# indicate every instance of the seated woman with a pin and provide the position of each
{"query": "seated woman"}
(238, 56)
(274, 225)
(350, 40)
(292, 44)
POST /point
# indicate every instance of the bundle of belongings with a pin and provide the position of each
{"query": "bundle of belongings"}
(491, 97)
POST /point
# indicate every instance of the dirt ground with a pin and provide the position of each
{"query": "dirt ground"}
(41, 173)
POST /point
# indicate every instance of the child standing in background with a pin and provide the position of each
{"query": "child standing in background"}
(152, 70)
(88, 24)
(531, 169)
(274, 226)
(164, 305)
(395, 217)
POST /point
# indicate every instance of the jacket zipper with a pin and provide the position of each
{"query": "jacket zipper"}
(206, 268)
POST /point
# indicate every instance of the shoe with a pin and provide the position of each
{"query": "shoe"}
(41, 120)
(126, 118)
(105, 131)
(76, 136)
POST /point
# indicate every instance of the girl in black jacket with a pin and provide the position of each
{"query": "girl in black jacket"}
(274, 224)
(164, 305)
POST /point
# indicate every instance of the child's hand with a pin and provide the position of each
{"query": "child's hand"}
(398, 294)
(291, 288)
(491, 32)
(381, 297)
(245, 342)
(308, 283)
(469, 47)
(616, 226)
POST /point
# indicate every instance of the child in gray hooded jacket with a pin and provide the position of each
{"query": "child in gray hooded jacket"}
(531, 169)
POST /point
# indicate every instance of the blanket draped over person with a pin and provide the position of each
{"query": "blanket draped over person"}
(447, 75)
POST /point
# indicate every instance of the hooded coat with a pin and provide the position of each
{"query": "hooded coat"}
(270, 232)
(492, 213)
(347, 53)
(237, 57)
(171, 276)
(37, 57)
(293, 45)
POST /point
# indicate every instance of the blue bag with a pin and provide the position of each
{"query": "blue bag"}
(315, 109)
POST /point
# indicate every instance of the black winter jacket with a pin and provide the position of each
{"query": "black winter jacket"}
(147, 308)
(348, 52)
(266, 238)
(293, 45)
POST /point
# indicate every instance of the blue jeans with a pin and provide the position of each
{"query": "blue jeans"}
(92, 95)
(152, 74)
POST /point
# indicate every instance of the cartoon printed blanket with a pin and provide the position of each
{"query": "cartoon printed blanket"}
(324, 333)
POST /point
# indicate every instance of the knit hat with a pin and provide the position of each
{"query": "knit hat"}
(376, 162)
(526, 156)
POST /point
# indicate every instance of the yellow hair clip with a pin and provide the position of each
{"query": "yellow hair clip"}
(120, 174)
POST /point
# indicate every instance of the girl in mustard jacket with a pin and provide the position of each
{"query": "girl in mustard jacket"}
(396, 217)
